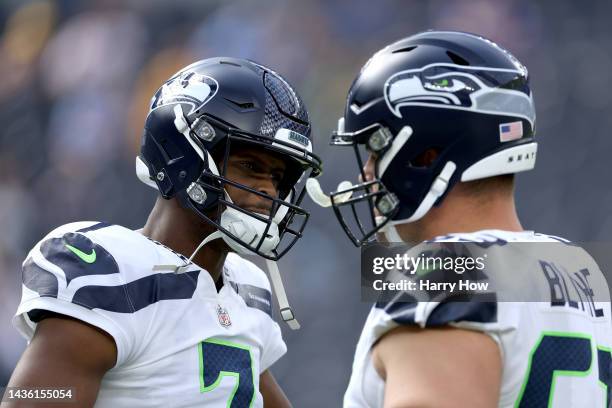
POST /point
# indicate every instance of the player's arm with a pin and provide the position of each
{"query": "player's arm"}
(65, 352)
(441, 367)
(273, 395)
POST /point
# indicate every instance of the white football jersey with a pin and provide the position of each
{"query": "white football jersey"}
(180, 343)
(555, 353)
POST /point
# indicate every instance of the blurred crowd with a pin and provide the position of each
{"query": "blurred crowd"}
(76, 79)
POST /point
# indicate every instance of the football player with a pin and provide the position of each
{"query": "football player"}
(445, 120)
(172, 315)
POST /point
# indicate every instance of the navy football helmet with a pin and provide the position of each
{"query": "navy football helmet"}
(458, 93)
(194, 120)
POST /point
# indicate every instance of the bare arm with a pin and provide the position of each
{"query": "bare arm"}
(440, 368)
(273, 395)
(65, 352)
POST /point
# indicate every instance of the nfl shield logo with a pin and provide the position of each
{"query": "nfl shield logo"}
(224, 317)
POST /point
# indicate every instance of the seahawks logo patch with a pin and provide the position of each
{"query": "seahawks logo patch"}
(187, 87)
(486, 90)
(78, 256)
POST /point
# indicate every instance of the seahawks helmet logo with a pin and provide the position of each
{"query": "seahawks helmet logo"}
(486, 90)
(187, 87)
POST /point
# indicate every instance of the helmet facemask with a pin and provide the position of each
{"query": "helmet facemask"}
(364, 208)
(270, 232)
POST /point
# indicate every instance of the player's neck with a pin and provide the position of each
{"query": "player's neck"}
(464, 215)
(182, 231)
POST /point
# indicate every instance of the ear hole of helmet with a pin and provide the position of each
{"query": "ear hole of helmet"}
(426, 158)
(169, 149)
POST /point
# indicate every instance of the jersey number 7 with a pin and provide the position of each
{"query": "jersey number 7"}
(220, 358)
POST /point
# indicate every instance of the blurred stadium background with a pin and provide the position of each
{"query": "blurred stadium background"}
(76, 78)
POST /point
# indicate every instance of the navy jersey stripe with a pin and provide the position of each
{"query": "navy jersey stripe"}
(402, 308)
(457, 311)
(472, 307)
(96, 226)
(138, 294)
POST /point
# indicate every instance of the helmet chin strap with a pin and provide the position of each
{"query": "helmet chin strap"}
(183, 268)
(249, 230)
(389, 231)
(285, 309)
(437, 189)
(391, 234)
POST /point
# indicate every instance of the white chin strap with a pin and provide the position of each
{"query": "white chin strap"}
(250, 230)
(313, 187)
(184, 268)
(285, 309)
(438, 187)
(389, 231)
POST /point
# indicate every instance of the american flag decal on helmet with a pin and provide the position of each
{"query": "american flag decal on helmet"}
(510, 131)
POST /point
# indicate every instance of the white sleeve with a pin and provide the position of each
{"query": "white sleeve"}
(431, 306)
(56, 279)
(274, 347)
